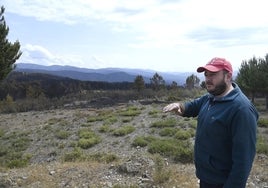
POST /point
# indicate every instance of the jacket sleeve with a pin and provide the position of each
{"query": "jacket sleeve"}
(243, 130)
(192, 108)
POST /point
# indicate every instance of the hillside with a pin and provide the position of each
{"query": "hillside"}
(105, 74)
(125, 152)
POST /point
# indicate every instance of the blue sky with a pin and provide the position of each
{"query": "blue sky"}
(161, 35)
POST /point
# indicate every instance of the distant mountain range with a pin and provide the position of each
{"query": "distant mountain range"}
(104, 74)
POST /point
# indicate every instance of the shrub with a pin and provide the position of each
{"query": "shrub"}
(86, 143)
(140, 141)
(2, 133)
(153, 113)
(20, 143)
(19, 162)
(86, 133)
(127, 129)
(262, 122)
(184, 154)
(126, 120)
(73, 156)
(104, 129)
(62, 134)
(180, 151)
(12, 146)
(163, 146)
(103, 157)
(262, 145)
(88, 138)
(171, 122)
(182, 134)
(168, 131)
(111, 120)
(86, 125)
(95, 118)
(131, 111)
(161, 174)
(59, 121)
(78, 155)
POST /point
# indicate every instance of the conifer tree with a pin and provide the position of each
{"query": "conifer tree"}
(9, 53)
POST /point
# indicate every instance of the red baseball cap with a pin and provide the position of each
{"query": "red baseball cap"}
(216, 64)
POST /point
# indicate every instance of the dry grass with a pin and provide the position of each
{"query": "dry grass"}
(75, 174)
(47, 130)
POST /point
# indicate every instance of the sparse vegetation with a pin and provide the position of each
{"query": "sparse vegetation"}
(169, 122)
(262, 145)
(88, 138)
(62, 134)
(161, 173)
(122, 131)
(12, 149)
(183, 134)
(77, 155)
(263, 122)
(180, 151)
(131, 111)
(140, 141)
(107, 136)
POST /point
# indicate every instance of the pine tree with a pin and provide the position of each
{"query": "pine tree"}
(139, 83)
(9, 52)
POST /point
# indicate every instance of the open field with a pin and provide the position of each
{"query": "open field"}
(126, 145)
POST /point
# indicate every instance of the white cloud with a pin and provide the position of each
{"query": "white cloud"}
(151, 19)
(177, 29)
(38, 54)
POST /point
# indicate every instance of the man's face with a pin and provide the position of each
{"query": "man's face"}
(216, 82)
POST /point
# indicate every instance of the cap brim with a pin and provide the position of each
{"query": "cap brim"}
(209, 68)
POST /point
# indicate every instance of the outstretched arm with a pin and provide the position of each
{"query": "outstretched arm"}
(178, 108)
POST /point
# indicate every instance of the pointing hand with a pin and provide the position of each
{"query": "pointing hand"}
(175, 107)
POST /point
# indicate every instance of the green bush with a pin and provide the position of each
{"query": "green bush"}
(262, 145)
(75, 155)
(168, 131)
(2, 133)
(140, 141)
(12, 147)
(122, 131)
(95, 118)
(183, 134)
(20, 143)
(86, 125)
(86, 143)
(59, 121)
(262, 122)
(86, 133)
(131, 111)
(153, 113)
(127, 119)
(62, 134)
(171, 122)
(103, 157)
(19, 162)
(184, 154)
(104, 129)
(110, 120)
(88, 138)
(78, 155)
(180, 151)
(161, 174)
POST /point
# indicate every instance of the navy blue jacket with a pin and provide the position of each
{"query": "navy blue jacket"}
(225, 142)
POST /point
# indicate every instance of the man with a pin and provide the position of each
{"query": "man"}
(225, 141)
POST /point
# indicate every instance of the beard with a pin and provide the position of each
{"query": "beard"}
(219, 88)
